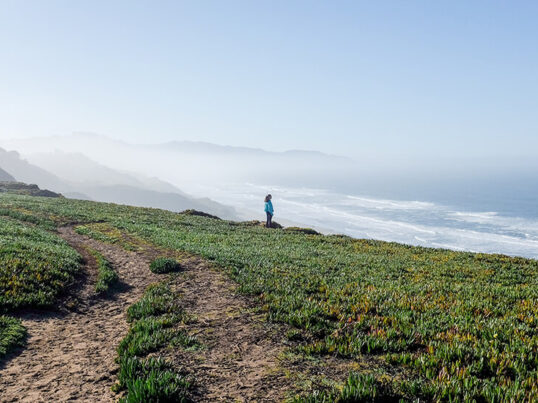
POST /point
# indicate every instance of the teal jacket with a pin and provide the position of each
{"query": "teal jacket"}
(269, 207)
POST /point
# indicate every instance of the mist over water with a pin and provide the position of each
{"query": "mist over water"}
(484, 206)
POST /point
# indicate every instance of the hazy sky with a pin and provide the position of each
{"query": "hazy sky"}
(350, 77)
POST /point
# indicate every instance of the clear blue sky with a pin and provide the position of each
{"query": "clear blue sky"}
(350, 77)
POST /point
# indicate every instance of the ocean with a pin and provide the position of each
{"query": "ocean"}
(455, 226)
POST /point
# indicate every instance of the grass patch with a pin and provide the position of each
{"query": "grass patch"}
(12, 334)
(35, 265)
(151, 380)
(154, 319)
(164, 265)
(357, 388)
(106, 275)
(24, 216)
(106, 233)
(157, 300)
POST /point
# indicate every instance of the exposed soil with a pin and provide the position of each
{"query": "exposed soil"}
(70, 355)
(239, 360)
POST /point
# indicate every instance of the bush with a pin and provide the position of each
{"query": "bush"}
(164, 265)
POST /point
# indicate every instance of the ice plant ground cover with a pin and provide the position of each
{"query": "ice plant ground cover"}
(454, 325)
(35, 264)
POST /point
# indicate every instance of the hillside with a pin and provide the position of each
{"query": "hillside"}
(24, 189)
(100, 183)
(89, 143)
(5, 177)
(252, 313)
(77, 168)
(25, 172)
(189, 163)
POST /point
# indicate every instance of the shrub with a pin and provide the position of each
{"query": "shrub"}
(164, 265)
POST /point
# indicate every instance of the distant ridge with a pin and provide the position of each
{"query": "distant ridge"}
(5, 177)
(190, 165)
(25, 189)
(101, 183)
(28, 173)
(205, 147)
(77, 142)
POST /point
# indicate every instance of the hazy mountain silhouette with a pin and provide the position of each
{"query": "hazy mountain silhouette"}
(87, 143)
(77, 167)
(133, 196)
(25, 172)
(189, 164)
(5, 177)
(83, 178)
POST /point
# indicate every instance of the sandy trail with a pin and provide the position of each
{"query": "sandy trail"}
(239, 361)
(70, 356)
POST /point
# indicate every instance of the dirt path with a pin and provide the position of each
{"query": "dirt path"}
(239, 361)
(71, 356)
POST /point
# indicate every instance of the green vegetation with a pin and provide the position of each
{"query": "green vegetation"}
(308, 231)
(23, 216)
(154, 321)
(164, 265)
(151, 380)
(35, 268)
(199, 213)
(357, 388)
(24, 189)
(106, 275)
(35, 265)
(157, 300)
(105, 233)
(12, 334)
(454, 325)
(99, 233)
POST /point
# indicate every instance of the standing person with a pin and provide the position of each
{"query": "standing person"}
(269, 210)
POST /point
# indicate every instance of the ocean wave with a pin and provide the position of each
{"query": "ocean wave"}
(420, 223)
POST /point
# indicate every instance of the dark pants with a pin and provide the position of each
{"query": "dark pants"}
(269, 218)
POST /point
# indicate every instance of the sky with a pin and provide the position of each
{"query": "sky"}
(392, 78)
